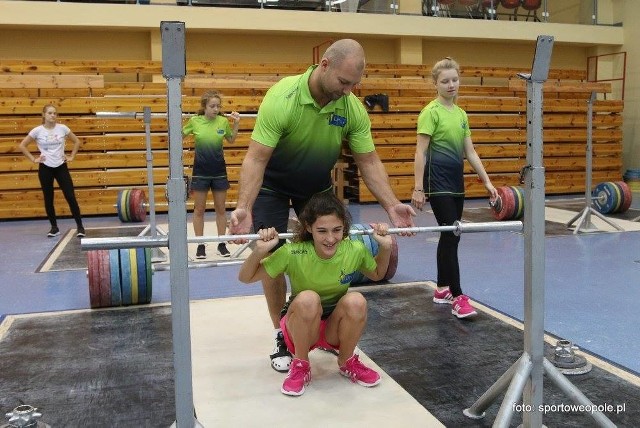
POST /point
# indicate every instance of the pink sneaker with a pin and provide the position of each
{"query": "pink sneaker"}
(359, 373)
(299, 375)
(443, 296)
(462, 308)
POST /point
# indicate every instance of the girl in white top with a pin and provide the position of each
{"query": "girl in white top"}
(52, 165)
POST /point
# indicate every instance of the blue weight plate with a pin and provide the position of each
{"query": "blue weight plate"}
(125, 277)
(604, 195)
(142, 275)
(147, 257)
(116, 290)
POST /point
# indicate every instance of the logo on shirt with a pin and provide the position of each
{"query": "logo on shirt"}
(346, 278)
(298, 252)
(220, 131)
(337, 120)
(463, 125)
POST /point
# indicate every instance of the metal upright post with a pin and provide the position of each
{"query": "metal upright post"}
(525, 377)
(174, 71)
(156, 254)
(584, 216)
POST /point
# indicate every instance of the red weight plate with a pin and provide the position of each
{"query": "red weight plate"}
(93, 269)
(137, 205)
(507, 206)
(627, 196)
(105, 278)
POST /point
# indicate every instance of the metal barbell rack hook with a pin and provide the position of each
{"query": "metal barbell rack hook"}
(163, 241)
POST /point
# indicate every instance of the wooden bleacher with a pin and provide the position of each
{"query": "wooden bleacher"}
(112, 154)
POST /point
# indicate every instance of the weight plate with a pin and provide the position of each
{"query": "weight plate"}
(125, 276)
(149, 272)
(627, 196)
(618, 198)
(93, 268)
(518, 193)
(603, 198)
(507, 204)
(120, 207)
(142, 275)
(114, 265)
(105, 278)
(137, 207)
(134, 275)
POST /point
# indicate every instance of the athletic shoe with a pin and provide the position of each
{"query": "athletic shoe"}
(81, 232)
(222, 250)
(299, 375)
(359, 373)
(443, 296)
(280, 357)
(200, 252)
(53, 232)
(462, 308)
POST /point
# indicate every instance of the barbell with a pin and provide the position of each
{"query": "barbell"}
(120, 269)
(609, 197)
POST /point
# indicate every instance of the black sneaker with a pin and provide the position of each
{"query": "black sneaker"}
(222, 250)
(53, 232)
(81, 232)
(280, 357)
(201, 253)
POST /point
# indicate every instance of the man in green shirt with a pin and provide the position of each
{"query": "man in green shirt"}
(295, 144)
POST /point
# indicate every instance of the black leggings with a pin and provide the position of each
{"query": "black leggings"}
(447, 209)
(46, 174)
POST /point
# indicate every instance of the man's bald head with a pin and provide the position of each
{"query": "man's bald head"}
(343, 49)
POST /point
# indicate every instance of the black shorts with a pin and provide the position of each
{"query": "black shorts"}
(203, 184)
(272, 210)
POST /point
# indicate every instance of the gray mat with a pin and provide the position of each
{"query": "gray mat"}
(577, 205)
(68, 254)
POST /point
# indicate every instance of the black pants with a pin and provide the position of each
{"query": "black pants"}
(448, 209)
(46, 174)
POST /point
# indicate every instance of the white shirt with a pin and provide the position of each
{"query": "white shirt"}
(51, 143)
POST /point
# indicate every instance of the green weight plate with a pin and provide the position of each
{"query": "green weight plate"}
(116, 290)
(148, 265)
(142, 275)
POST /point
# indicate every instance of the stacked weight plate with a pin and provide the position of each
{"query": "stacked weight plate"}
(131, 205)
(632, 178)
(372, 245)
(510, 203)
(612, 197)
(119, 277)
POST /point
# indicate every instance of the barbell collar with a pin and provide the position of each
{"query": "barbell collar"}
(163, 241)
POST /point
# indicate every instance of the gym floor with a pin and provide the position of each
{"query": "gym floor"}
(591, 286)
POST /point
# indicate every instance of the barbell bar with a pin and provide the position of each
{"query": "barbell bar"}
(163, 241)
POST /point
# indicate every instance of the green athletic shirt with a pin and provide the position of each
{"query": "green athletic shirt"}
(209, 135)
(307, 139)
(443, 171)
(330, 278)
